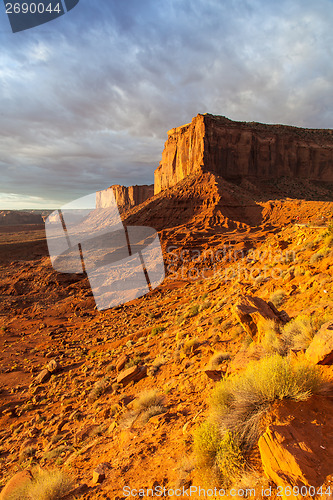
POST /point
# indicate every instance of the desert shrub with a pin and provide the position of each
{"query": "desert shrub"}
(328, 241)
(206, 441)
(218, 455)
(46, 485)
(193, 311)
(320, 320)
(240, 402)
(146, 400)
(151, 412)
(132, 362)
(298, 333)
(229, 459)
(278, 297)
(98, 389)
(56, 452)
(146, 405)
(206, 305)
(218, 358)
(157, 329)
(190, 345)
(270, 337)
(317, 257)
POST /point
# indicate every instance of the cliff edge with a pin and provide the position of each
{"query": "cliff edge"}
(241, 150)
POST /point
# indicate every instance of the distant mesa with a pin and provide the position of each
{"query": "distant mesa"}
(126, 197)
(240, 150)
(17, 217)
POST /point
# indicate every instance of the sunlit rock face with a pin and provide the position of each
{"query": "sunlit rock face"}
(238, 150)
(126, 197)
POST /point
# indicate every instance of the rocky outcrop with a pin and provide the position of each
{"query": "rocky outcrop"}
(251, 311)
(241, 150)
(296, 449)
(126, 197)
(320, 351)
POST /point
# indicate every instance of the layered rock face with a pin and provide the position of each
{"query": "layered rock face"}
(238, 150)
(126, 197)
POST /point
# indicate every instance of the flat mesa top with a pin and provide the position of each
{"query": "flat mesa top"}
(222, 121)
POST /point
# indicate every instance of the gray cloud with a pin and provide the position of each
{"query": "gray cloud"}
(87, 99)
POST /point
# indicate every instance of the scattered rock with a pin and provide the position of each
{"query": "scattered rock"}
(121, 362)
(43, 376)
(320, 351)
(215, 375)
(132, 374)
(53, 366)
(100, 472)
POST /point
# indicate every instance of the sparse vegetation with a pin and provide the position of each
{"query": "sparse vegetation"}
(193, 311)
(278, 297)
(145, 406)
(219, 457)
(46, 485)
(157, 329)
(298, 333)
(190, 345)
(133, 362)
(218, 358)
(98, 389)
(239, 402)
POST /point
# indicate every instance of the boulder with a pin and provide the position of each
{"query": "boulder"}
(215, 374)
(251, 310)
(320, 351)
(43, 376)
(132, 374)
(53, 366)
(100, 472)
(121, 362)
(18, 481)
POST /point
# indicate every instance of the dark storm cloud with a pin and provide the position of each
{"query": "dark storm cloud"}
(87, 99)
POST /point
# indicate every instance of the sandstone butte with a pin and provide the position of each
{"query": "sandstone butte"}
(236, 150)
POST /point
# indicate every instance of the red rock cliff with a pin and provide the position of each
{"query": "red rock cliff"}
(236, 150)
(126, 197)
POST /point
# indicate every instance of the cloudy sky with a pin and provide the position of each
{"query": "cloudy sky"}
(86, 100)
